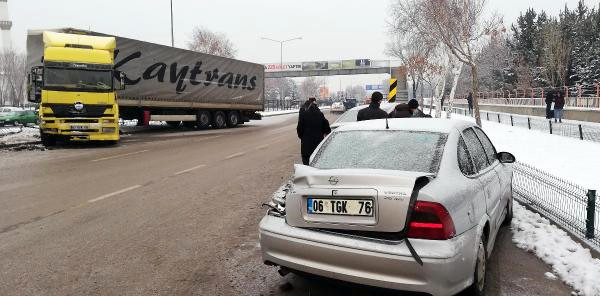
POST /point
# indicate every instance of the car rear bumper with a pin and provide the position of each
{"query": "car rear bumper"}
(448, 265)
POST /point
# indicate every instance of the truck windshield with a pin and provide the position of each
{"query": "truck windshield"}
(78, 80)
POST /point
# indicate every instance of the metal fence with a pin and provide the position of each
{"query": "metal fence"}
(580, 131)
(280, 105)
(569, 205)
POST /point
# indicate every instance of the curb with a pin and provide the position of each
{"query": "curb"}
(3, 146)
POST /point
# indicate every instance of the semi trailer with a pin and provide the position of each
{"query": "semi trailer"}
(86, 81)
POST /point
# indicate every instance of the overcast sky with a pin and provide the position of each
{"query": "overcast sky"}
(331, 29)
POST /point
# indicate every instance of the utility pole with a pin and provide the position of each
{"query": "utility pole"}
(172, 30)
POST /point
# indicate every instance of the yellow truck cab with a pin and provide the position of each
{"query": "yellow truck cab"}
(76, 89)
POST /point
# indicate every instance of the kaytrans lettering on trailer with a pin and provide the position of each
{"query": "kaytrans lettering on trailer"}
(180, 75)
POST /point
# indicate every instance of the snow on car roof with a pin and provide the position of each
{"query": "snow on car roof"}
(410, 124)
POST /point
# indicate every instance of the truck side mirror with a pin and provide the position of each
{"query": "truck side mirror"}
(34, 85)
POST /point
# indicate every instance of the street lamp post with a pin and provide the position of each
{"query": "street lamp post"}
(172, 30)
(281, 42)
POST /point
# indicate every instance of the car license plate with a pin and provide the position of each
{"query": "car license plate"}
(346, 207)
(79, 127)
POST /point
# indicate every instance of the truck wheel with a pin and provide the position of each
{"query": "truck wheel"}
(174, 123)
(47, 140)
(219, 120)
(203, 119)
(233, 118)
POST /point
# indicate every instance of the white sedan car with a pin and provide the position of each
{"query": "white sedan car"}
(413, 206)
(338, 107)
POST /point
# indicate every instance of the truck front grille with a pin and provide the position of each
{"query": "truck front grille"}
(69, 111)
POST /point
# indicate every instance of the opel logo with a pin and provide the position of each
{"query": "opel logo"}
(334, 180)
(78, 106)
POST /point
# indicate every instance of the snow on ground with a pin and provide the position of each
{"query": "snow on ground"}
(573, 263)
(567, 158)
(283, 112)
(28, 134)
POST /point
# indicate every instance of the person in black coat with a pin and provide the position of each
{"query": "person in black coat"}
(401, 111)
(470, 103)
(373, 111)
(550, 95)
(312, 129)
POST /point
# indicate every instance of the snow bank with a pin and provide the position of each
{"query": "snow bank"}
(27, 135)
(573, 263)
(567, 158)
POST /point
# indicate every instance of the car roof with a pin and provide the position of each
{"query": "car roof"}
(437, 125)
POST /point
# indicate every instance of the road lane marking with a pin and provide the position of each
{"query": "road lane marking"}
(235, 155)
(262, 147)
(120, 155)
(189, 170)
(114, 194)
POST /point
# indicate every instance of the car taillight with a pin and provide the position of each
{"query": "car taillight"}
(431, 220)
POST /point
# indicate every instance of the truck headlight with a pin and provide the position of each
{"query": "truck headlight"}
(108, 130)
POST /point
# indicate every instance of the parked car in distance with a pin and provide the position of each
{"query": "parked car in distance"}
(338, 107)
(351, 115)
(19, 117)
(413, 207)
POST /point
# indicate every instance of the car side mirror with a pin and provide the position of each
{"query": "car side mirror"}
(506, 157)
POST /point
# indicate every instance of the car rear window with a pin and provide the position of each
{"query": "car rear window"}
(388, 150)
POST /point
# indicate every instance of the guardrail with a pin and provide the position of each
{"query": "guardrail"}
(588, 132)
(571, 206)
(572, 102)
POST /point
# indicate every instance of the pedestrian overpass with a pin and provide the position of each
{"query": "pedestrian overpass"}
(397, 72)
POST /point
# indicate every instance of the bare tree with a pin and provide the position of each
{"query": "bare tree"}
(206, 41)
(414, 54)
(13, 74)
(310, 87)
(557, 52)
(458, 24)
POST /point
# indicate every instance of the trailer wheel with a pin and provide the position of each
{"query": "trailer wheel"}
(233, 118)
(203, 119)
(219, 120)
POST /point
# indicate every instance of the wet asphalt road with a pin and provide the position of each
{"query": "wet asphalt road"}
(172, 213)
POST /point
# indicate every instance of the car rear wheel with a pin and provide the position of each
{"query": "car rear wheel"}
(233, 118)
(219, 120)
(478, 287)
(203, 119)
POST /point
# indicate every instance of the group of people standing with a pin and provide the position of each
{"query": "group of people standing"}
(556, 97)
(400, 111)
(313, 127)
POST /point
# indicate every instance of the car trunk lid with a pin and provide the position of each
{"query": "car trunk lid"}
(339, 199)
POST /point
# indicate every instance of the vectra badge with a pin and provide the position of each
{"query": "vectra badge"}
(78, 106)
(334, 180)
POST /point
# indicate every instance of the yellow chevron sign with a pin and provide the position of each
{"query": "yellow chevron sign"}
(393, 90)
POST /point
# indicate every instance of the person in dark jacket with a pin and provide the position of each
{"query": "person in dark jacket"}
(549, 100)
(312, 129)
(559, 105)
(307, 104)
(401, 111)
(373, 111)
(470, 102)
(413, 105)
